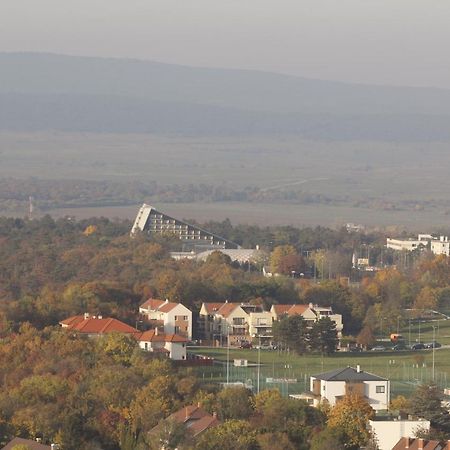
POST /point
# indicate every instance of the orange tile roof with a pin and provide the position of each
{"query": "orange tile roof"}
(213, 307)
(290, 310)
(94, 325)
(167, 307)
(151, 336)
(281, 309)
(202, 424)
(227, 309)
(71, 321)
(152, 303)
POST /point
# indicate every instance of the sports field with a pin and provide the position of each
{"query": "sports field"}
(290, 372)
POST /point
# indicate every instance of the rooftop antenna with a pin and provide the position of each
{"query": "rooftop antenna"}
(31, 208)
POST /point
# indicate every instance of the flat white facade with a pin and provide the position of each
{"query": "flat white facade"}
(389, 432)
(260, 324)
(441, 246)
(170, 346)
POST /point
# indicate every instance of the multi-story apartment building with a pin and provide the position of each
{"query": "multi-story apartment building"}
(169, 317)
(245, 322)
(219, 322)
(311, 313)
(441, 246)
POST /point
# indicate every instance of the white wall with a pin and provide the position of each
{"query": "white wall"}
(332, 389)
(177, 350)
(377, 401)
(389, 432)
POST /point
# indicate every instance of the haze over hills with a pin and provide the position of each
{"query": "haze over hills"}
(68, 93)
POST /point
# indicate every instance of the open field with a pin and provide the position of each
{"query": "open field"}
(373, 183)
(270, 214)
(405, 369)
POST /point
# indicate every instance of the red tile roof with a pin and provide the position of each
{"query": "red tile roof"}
(94, 325)
(195, 418)
(203, 424)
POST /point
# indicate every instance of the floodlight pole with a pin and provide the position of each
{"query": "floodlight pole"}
(228, 354)
(259, 364)
(433, 344)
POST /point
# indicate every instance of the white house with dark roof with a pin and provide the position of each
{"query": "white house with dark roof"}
(169, 317)
(334, 385)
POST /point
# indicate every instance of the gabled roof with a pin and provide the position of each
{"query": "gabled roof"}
(152, 304)
(203, 424)
(32, 445)
(212, 308)
(227, 308)
(94, 325)
(348, 374)
(290, 310)
(153, 336)
(71, 321)
(406, 443)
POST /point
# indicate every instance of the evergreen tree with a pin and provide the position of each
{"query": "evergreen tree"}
(323, 336)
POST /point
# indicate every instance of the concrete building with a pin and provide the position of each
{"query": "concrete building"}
(151, 220)
(441, 246)
(388, 431)
(334, 385)
(260, 326)
(169, 317)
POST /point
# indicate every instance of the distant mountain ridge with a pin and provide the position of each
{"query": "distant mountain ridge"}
(46, 91)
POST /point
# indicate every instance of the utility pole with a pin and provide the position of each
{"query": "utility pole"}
(434, 331)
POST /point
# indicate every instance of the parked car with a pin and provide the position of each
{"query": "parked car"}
(399, 347)
(378, 348)
(433, 345)
(418, 346)
(245, 344)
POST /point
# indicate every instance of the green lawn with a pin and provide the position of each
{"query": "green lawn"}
(404, 369)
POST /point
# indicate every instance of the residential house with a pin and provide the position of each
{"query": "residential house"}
(29, 444)
(193, 417)
(311, 313)
(96, 325)
(389, 430)
(334, 385)
(172, 346)
(407, 443)
(170, 317)
(219, 322)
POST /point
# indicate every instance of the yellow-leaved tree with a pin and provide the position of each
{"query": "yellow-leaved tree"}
(351, 415)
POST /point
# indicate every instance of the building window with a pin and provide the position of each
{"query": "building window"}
(380, 389)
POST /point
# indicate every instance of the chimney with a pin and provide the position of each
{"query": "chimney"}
(86, 316)
(257, 247)
(406, 442)
(215, 416)
(420, 444)
(199, 405)
(156, 331)
(358, 368)
(167, 300)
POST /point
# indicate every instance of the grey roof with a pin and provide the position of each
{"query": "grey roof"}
(348, 374)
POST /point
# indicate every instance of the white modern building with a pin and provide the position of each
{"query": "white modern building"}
(170, 317)
(334, 385)
(441, 246)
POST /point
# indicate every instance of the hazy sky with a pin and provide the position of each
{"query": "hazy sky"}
(405, 42)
